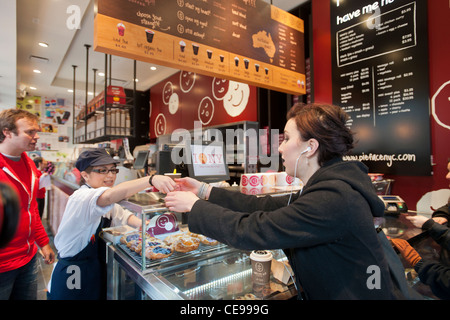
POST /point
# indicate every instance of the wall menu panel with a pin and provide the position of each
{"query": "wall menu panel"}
(380, 78)
(243, 40)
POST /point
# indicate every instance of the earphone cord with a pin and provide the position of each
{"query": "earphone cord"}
(295, 175)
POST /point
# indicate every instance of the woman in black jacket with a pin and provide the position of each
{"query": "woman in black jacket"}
(326, 230)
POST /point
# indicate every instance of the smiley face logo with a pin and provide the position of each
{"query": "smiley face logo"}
(187, 80)
(440, 103)
(174, 101)
(219, 88)
(167, 92)
(236, 99)
(160, 125)
(206, 110)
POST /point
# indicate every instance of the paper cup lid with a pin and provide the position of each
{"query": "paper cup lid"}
(261, 255)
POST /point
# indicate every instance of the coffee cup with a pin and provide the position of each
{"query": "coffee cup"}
(121, 29)
(150, 34)
(246, 63)
(195, 48)
(261, 262)
(182, 45)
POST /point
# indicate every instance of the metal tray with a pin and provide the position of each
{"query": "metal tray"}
(177, 258)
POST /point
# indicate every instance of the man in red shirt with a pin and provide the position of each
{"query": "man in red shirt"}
(18, 270)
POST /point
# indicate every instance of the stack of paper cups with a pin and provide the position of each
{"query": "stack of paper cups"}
(258, 180)
(283, 179)
(256, 183)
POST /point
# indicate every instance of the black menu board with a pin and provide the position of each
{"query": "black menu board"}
(380, 78)
(244, 40)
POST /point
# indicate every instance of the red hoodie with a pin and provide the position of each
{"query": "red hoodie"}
(30, 230)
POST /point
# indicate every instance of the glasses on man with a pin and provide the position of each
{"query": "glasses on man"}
(105, 171)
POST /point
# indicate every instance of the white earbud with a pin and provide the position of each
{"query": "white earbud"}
(295, 171)
(306, 150)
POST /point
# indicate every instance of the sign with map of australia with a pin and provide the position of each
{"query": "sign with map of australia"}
(249, 41)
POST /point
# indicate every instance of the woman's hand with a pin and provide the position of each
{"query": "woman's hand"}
(418, 220)
(163, 183)
(180, 201)
(188, 184)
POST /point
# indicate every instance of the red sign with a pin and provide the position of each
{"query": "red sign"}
(186, 97)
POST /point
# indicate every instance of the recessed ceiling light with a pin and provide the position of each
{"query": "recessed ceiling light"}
(33, 88)
(70, 90)
(101, 74)
(43, 44)
(36, 71)
(153, 68)
(136, 80)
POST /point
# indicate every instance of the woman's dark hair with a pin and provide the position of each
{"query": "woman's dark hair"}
(9, 211)
(325, 123)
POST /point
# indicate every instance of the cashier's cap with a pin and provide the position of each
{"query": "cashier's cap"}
(91, 158)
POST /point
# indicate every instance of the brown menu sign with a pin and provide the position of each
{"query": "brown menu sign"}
(380, 78)
(243, 40)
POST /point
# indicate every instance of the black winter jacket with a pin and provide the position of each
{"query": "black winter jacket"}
(433, 273)
(327, 232)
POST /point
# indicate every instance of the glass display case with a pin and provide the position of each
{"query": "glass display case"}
(216, 272)
(224, 275)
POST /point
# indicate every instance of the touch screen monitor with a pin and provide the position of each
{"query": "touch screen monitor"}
(207, 162)
(141, 160)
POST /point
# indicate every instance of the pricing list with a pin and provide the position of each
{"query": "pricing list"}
(247, 40)
(380, 78)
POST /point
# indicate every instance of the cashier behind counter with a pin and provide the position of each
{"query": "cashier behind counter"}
(78, 234)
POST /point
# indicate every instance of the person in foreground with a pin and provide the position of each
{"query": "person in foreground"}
(326, 230)
(78, 272)
(19, 133)
(436, 274)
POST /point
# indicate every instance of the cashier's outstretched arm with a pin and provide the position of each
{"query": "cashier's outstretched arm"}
(128, 188)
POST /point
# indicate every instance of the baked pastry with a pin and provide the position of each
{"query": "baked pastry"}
(182, 242)
(149, 242)
(158, 252)
(129, 237)
(207, 241)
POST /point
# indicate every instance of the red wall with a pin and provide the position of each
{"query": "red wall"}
(410, 188)
(186, 97)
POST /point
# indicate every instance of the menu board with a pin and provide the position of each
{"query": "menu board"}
(380, 78)
(244, 40)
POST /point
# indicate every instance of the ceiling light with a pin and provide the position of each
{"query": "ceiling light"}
(101, 74)
(36, 71)
(43, 44)
(153, 68)
(136, 80)
(70, 90)
(33, 88)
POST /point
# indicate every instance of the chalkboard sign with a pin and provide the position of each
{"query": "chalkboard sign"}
(380, 77)
(244, 40)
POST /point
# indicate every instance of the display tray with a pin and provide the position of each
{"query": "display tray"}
(177, 258)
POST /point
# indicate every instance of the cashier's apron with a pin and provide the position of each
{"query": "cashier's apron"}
(81, 277)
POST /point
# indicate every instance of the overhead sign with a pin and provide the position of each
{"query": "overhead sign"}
(243, 40)
(380, 78)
